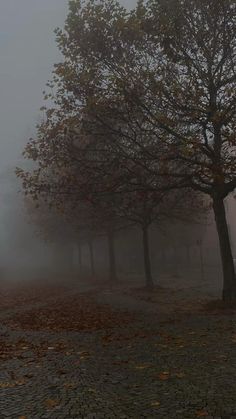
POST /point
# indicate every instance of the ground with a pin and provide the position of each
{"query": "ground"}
(79, 351)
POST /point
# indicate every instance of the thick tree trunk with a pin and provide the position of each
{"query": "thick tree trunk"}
(188, 255)
(201, 261)
(112, 257)
(175, 262)
(163, 256)
(79, 258)
(91, 258)
(229, 284)
(147, 261)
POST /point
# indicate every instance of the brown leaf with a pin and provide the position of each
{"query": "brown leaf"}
(180, 374)
(61, 372)
(83, 354)
(12, 384)
(51, 403)
(201, 413)
(165, 375)
(155, 404)
(142, 366)
(70, 385)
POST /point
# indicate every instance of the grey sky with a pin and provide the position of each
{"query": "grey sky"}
(27, 53)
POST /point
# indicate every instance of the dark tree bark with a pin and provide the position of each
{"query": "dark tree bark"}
(112, 257)
(79, 258)
(188, 255)
(229, 284)
(163, 256)
(91, 252)
(147, 261)
(175, 262)
(201, 261)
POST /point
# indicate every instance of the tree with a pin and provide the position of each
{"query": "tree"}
(196, 103)
(51, 227)
(120, 159)
(122, 193)
(68, 186)
(167, 67)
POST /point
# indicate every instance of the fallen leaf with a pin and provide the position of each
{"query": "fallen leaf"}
(155, 404)
(20, 382)
(180, 374)
(201, 413)
(142, 366)
(12, 384)
(69, 385)
(29, 375)
(83, 354)
(165, 375)
(51, 403)
(61, 372)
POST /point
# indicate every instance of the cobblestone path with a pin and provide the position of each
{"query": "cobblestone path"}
(150, 367)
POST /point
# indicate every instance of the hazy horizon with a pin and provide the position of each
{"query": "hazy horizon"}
(28, 51)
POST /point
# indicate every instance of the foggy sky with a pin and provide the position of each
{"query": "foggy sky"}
(27, 53)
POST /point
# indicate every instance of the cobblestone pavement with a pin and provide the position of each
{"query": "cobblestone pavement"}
(150, 368)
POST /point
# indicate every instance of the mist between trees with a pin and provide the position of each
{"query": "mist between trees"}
(138, 130)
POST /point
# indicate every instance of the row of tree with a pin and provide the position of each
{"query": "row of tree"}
(141, 118)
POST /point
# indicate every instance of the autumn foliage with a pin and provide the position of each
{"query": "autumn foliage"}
(141, 108)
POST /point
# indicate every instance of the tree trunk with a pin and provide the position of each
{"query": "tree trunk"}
(175, 262)
(188, 254)
(112, 257)
(79, 258)
(91, 257)
(201, 261)
(229, 284)
(163, 256)
(147, 262)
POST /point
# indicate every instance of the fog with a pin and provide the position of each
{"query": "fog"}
(28, 52)
(117, 229)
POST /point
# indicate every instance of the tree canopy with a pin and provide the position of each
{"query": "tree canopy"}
(151, 95)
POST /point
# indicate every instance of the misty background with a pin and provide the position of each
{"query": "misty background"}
(28, 51)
